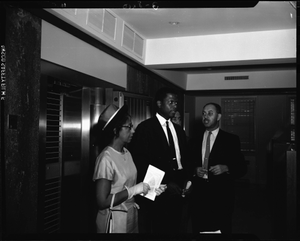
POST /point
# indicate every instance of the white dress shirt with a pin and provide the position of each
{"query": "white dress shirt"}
(213, 137)
(162, 121)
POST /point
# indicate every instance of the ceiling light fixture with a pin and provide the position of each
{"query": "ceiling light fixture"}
(174, 23)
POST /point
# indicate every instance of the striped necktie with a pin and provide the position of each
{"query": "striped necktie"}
(207, 151)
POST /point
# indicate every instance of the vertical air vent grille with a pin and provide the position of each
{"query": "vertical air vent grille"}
(128, 38)
(236, 77)
(95, 19)
(109, 25)
(138, 45)
(132, 41)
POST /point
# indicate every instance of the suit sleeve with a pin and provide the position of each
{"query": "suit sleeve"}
(183, 145)
(193, 155)
(140, 147)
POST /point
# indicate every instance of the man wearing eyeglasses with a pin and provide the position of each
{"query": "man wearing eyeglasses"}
(161, 143)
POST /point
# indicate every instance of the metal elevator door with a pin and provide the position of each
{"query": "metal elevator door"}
(66, 127)
(71, 163)
(63, 147)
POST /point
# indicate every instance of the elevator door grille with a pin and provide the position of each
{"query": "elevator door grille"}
(52, 205)
(52, 199)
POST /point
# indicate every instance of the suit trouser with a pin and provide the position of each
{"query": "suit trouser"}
(209, 211)
(164, 215)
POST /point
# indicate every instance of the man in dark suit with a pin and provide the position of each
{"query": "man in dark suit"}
(151, 145)
(217, 161)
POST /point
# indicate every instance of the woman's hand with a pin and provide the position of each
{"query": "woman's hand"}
(161, 189)
(146, 188)
(141, 188)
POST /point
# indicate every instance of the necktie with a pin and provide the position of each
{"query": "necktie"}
(172, 146)
(207, 151)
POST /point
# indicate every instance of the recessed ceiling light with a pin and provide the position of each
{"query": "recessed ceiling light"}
(174, 23)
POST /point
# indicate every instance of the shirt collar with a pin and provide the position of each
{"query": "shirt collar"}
(214, 132)
(161, 119)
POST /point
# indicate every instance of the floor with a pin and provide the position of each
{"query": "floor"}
(253, 212)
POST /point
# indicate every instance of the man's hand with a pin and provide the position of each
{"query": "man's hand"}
(200, 171)
(218, 169)
(187, 189)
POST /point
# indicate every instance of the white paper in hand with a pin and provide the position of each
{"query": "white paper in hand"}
(153, 177)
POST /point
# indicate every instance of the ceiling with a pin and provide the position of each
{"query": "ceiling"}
(223, 17)
(155, 22)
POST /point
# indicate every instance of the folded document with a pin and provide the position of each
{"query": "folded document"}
(153, 177)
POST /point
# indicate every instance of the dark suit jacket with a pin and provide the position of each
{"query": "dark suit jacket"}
(225, 151)
(150, 146)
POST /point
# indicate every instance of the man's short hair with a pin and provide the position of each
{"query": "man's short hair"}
(217, 106)
(162, 93)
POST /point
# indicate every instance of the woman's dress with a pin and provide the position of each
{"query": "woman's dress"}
(120, 169)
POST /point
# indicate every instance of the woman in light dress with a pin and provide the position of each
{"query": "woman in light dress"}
(115, 172)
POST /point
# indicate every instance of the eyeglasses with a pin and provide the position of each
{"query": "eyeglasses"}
(130, 126)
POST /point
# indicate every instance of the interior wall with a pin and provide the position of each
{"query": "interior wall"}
(257, 79)
(271, 118)
(21, 127)
(66, 50)
(189, 118)
(80, 19)
(178, 78)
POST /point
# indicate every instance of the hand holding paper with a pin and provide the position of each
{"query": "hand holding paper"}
(141, 188)
(161, 189)
(154, 177)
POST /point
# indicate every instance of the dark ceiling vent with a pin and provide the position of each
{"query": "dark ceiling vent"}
(236, 77)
